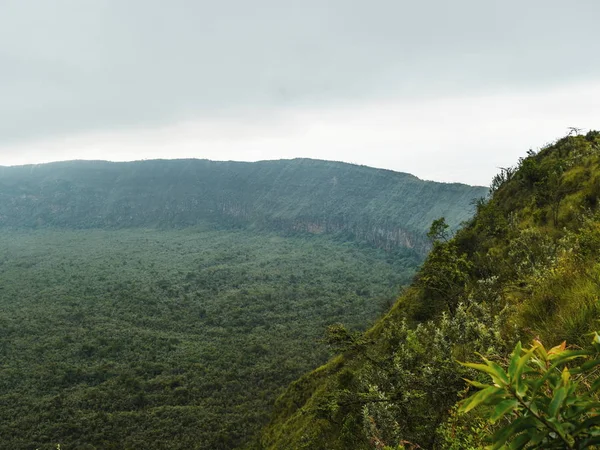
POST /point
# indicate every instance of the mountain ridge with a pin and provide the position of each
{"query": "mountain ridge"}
(387, 209)
(317, 160)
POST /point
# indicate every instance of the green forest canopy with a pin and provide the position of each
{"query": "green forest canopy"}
(182, 338)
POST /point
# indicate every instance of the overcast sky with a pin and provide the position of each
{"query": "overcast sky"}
(446, 90)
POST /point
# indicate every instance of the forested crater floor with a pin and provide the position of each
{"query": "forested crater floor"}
(144, 338)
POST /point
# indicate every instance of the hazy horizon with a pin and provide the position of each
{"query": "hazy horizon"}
(234, 161)
(447, 92)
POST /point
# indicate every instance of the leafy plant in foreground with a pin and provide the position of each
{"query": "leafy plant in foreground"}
(548, 397)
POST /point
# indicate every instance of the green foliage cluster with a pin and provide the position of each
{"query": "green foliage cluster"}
(524, 267)
(545, 403)
(390, 394)
(154, 339)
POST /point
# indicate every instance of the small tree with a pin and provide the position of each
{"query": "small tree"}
(438, 230)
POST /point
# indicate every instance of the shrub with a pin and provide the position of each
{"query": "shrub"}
(546, 398)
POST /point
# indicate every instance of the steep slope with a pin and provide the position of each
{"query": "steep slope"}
(525, 266)
(385, 208)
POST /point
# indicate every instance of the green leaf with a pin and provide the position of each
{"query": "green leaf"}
(558, 427)
(498, 370)
(550, 374)
(516, 354)
(494, 370)
(539, 348)
(502, 408)
(568, 355)
(477, 384)
(538, 436)
(557, 400)
(534, 407)
(520, 367)
(480, 397)
(515, 427)
(585, 404)
(520, 441)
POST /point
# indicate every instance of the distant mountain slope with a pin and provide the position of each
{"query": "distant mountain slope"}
(385, 208)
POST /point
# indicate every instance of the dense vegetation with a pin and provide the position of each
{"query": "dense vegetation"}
(526, 266)
(180, 339)
(548, 396)
(166, 304)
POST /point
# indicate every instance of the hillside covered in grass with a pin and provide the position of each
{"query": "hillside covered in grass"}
(526, 266)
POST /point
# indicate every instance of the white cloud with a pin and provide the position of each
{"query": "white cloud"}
(461, 139)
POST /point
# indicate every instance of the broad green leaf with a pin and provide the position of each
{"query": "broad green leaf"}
(496, 446)
(538, 436)
(516, 426)
(514, 360)
(498, 370)
(502, 408)
(558, 427)
(569, 355)
(522, 388)
(557, 400)
(539, 349)
(520, 441)
(541, 364)
(480, 397)
(497, 374)
(534, 407)
(477, 384)
(518, 371)
(586, 404)
(550, 374)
